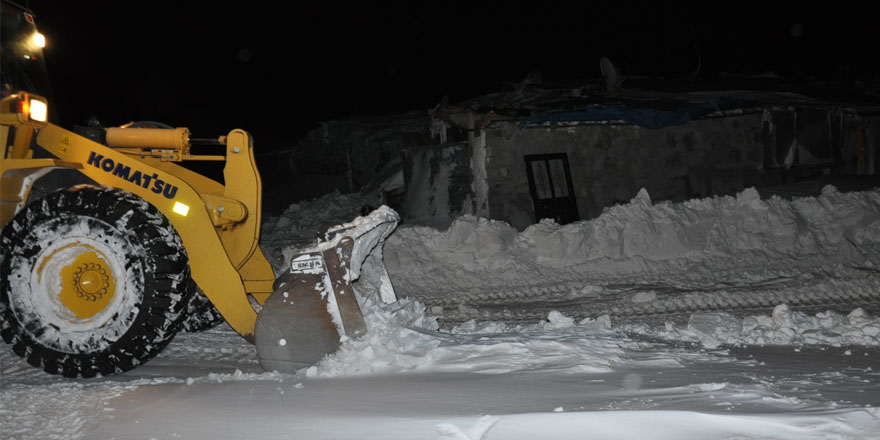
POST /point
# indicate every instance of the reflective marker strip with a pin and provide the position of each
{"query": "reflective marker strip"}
(180, 208)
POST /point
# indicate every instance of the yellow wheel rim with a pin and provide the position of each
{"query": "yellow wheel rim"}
(87, 285)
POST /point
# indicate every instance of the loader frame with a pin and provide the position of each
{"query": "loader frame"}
(219, 224)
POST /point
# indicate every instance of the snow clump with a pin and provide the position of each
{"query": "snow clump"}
(783, 327)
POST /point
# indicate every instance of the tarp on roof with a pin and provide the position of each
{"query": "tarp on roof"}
(644, 117)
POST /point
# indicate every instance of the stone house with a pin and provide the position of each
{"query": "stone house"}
(567, 152)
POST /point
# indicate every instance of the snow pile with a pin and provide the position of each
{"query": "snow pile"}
(557, 320)
(642, 258)
(389, 345)
(641, 236)
(783, 327)
(301, 222)
(304, 219)
(701, 235)
(402, 338)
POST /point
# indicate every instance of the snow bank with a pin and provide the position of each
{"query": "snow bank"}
(641, 236)
(644, 258)
(299, 224)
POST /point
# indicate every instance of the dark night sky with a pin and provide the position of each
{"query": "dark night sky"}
(276, 68)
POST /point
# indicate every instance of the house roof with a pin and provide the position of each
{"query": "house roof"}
(654, 103)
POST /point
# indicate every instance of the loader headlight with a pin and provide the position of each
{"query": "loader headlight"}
(39, 40)
(180, 208)
(31, 109)
(39, 110)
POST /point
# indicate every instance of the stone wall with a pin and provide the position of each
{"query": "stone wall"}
(439, 182)
(610, 163)
(355, 150)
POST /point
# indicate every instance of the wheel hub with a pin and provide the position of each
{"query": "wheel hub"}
(87, 285)
(91, 281)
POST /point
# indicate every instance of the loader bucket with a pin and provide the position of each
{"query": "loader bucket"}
(309, 314)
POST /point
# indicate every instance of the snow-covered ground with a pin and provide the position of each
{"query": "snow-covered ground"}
(782, 375)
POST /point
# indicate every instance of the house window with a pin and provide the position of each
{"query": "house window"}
(551, 187)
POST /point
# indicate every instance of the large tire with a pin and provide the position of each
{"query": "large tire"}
(201, 314)
(94, 281)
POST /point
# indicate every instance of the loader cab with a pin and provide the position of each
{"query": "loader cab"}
(22, 67)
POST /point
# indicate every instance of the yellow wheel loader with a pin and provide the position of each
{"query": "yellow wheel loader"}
(98, 278)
